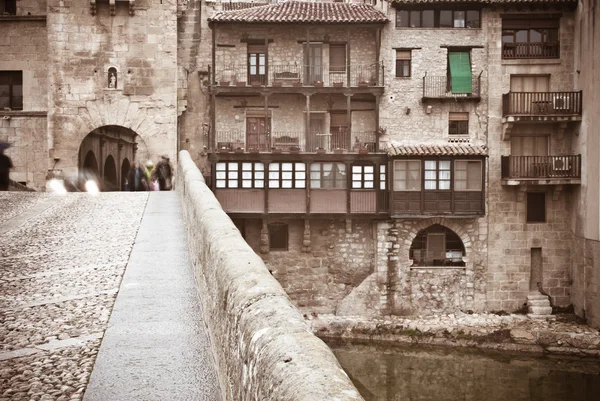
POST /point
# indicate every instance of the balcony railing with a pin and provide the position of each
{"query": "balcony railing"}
(531, 50)
(541, 103)
(277, 75)
(541, 167)
(440, 88)
(288, 141)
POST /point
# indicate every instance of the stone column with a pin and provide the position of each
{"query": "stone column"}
(306, 243)
(264, 237)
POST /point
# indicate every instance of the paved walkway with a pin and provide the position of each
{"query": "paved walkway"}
(156, 347)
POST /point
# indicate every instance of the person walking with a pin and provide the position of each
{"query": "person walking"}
(5, 166)
(164, 173)
(136, 178)
(152, 184)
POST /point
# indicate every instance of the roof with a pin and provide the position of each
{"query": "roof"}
(240, 5)
(303, 12)
(437, 150)
(413, 2)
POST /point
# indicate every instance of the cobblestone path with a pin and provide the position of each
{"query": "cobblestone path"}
(61, 264)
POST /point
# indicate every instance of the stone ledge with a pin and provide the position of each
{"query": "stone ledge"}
(263, 348)
(22, 18)
(23, 113)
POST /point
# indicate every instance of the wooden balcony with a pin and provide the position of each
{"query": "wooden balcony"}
(298, 75)
(541, 170)
(530, 50)
(542, 104)
(439, 88)
(296, 141)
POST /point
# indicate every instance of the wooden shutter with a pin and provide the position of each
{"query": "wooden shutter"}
(436, 246)
(460, 72)
(337, 58)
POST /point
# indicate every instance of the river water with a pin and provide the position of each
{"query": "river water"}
(408, 373)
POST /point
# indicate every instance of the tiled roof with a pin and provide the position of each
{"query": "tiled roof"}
(303, 12)
(412, 2)
(240, 5)
(437, 150)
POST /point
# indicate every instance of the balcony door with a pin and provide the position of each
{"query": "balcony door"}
(313, 64)
(257, 132)
(257, 64)
(531, 156)
(530, 83)
(318, 137)
(338, 128)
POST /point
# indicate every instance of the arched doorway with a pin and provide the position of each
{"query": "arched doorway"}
(110, 175)
(437, 246)
(124, 170)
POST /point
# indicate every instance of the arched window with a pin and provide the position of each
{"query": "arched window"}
(437, 246)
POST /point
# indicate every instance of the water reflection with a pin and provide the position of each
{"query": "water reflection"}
(410, 373)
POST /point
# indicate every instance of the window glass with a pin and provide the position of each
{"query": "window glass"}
(446, 19)
(415, 19)
(467, 175)
(473, 19)
(382, 177)
(402, 18)
(536, 207)
(459, 19)
(407, 175)
(427, 19)
(328, 175)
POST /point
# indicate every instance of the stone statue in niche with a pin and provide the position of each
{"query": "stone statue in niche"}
(112, 79)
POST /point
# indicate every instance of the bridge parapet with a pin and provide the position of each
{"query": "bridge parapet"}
(264, 349)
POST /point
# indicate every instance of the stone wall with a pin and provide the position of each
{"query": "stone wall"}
(511, 237)
(340, 258)
(263, 347)
(31, 7)
(83, 47)
(26, 131)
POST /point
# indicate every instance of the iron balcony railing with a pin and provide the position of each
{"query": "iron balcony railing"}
(290, 141)
(541, 167)
(530, 50)
(293, 74)
(440, 88)
(542, 103)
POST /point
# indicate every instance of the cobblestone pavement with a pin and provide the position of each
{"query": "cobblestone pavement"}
(60, 271)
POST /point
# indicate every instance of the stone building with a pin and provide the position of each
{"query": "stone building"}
(383, 157)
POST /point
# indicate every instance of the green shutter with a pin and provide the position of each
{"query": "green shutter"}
(460, 72)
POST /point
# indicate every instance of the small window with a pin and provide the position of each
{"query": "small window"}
(407, 175)
(363, 176)
(437, 174)
(328, 176)
(402, 19)
(278, 237)
(437, 246)
(8, 7)
(473, 19)
(536, 207)
(287, 175)
(231, 174)
(337, 58)
(458, 124)
(11, 90)
(382, 177)
(467, 175)
(403, 61)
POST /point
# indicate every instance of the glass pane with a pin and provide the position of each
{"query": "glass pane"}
(414, 165)
(400, 175)
(444, 184)
(444, 175)
(259, 184)
(430, 175)
(445, 165)
(315, 184)
(356, 184)
(430, 165)
(246, 184)
(4, 90)
(220, 183)
(430, 185)
(446, 19)
(300, 175)
(273, 166)
(414, 185)
(315, 167)
(459, 19)
(300, 167)
(259, 174)
(300, 184)
(232, 175)
(382, 185)
(274, 184)
(247, 174)
(522, 36)
(369, 177)
(286, 184)
(259, 166)
(369, 184)
(415, 19)
(369, 169)
(401, 18)
(400, 185)
(247, 166)
(473, 19)
(427, 19)
(221, 175)
(221, 166)
(382, 168)
(535, 35)
(4, 101)
(232, 183)
(232, 166)
(356, 169)
(474, 176)
(286, 166)
(273, 174)
(356, 177)
(315, 175)
(460, 185)
(286, 175)
(18, 90)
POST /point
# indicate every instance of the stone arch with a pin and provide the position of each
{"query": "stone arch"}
(125, 166)
(110, 175)
(420, 247)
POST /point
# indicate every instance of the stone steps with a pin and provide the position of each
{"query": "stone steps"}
(538, 306)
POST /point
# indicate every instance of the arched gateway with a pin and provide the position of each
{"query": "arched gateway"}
(106, 154)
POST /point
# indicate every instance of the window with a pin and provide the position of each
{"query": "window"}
(363, 176)
(459, 69)
(467, 175)
(536, 207)
(529, 145)
(232, 174)
(458, 124)
(438, 19)
(8, 7)
(278, 236)
(437, 246)
(437, 174)
(382, 177)
(337, 58)
(407, 175)
(287, 175)
(328, 176)
(257, 63)
(11, 90)
(530, 36)
(403, 58)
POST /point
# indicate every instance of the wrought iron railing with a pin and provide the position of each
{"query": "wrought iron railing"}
(440, 88)
(531, 50)
(298, 74)
(289, 141)
(541, 103)
(515, 167)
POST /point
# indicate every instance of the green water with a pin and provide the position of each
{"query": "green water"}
(385, 373)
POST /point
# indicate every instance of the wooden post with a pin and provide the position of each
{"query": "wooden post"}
(377, 99)
(348, 57)
(349, 117)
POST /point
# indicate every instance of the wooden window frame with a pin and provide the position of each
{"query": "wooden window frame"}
(336, 182)
(239, 171)
(294, 174)
(383, 177)
(12, 79)
(437, 179)
(359, 177)
(547, 25)
(479, 182)
(420, 179)
(400, 62)
(538, 208)
(460, 126)
(282, 236)
(9, 7)
(412, 12)
(337, 68)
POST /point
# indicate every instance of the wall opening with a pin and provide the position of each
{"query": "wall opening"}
(278, 236)
(437, 246)
(537, 267)
(110, 175)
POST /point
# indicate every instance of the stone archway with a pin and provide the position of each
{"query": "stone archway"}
(110, 175)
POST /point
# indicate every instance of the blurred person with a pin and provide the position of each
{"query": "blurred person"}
(148, 172)
(136, 179)
(164, 173)
(5, 166)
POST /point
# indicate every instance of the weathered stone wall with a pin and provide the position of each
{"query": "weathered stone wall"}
(341, 257)
(26, 132)
(263, 347)
(423, 290)
(31, 7)
(511, 237)
(586, 209)
(143, 50)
